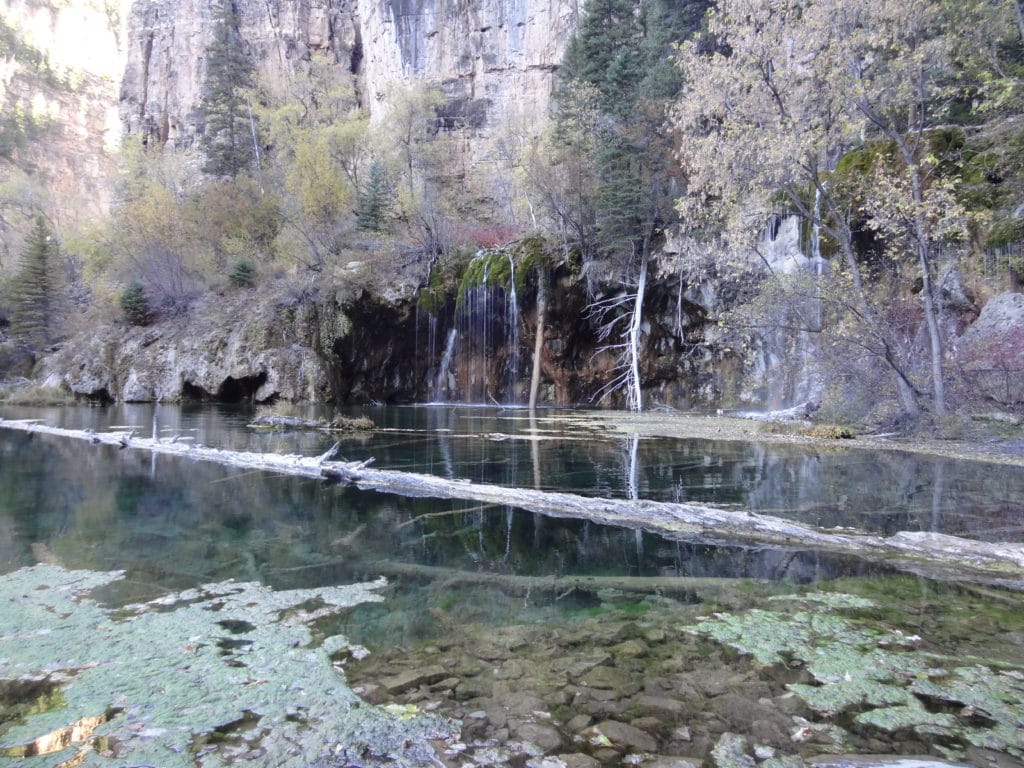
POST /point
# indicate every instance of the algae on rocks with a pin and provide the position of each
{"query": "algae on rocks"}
(205, 676)
(878, 676)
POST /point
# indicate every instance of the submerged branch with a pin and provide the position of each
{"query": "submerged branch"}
(523, 585)
(929, 554)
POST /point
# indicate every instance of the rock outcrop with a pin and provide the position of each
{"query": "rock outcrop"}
(228, 349)
(991, 351)
(59, 76)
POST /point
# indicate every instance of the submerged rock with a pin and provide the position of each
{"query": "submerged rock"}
(414, 679)
(881, 761)
(731, 752)
(621, 734)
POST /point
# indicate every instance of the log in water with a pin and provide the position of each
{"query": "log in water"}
(929, 554)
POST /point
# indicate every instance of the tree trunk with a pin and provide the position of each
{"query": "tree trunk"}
(635, 395)
(924, 260)
(907, 393)
(934, 333)
(538, 342)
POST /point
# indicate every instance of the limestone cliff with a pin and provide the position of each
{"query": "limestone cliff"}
(494, 59)
(60, 66)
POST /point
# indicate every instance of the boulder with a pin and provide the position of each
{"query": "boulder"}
(991, 350)
(622, 735)
(16, 360)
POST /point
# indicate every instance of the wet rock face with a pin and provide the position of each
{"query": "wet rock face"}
(378, 359)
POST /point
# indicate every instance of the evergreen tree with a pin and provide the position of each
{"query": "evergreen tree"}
(373, 199)
(228, 140)
(34, 295)
(623, 50)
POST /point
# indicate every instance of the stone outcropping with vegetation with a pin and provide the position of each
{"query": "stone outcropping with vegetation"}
(238, 348)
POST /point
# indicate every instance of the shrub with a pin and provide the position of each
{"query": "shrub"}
(135, 305)
(243, 275)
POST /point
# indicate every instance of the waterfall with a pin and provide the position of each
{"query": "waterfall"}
(475, 323)
(807, 385)
(789, 357)
(488, 320)
(512, 325)
(441, 386)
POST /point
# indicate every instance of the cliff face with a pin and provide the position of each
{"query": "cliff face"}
(493, 59)
(59, 69)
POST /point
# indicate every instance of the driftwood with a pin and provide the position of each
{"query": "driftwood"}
(337, 424)
(797, 413)
(929, 554)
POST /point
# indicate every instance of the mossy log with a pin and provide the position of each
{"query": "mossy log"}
(929, 554)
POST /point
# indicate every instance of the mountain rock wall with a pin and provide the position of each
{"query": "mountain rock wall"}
(494, 60)
(60, 65)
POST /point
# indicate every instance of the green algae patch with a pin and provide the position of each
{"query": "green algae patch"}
(205, 677)
(876, 676)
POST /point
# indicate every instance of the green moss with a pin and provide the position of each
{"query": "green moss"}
(489, 268)
(334, 325)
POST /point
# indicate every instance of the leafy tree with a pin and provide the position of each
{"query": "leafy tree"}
(156, 237)
(34, 288)
(229, 135)
(320, 148)
(415, 159)
(776, 110)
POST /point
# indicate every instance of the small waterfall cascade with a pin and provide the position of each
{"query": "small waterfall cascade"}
(426, 349)
(443, 384)
(488, 318)
(476, 325)
(788, 368)
(512, 326)
(807, 385)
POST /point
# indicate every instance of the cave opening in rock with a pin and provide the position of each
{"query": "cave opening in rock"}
(190, 391)
(242, 389)
(97, 397)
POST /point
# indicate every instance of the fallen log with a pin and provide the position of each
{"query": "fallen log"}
(521, 585)
(933, 555)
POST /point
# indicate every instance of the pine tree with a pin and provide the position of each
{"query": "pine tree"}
(373, 199)
(34, 293)
(228, 139)
(623, 51)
